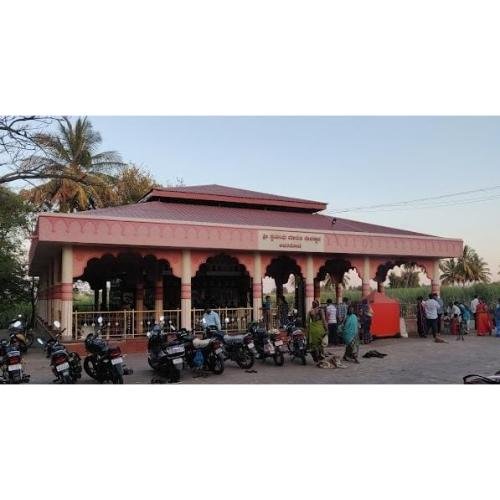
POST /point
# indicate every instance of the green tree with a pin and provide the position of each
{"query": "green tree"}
(409, 277)
(130, 185)
(14, 227)
(468, 268)
(80, 176)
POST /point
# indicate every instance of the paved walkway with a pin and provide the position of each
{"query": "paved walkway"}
(409, 361)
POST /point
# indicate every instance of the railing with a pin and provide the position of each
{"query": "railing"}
(119, 324)
(239, 318)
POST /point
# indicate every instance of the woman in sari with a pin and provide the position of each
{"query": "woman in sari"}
(497, 319)
(351, 336)
(483, 325)
(316, 330)
(421, 323)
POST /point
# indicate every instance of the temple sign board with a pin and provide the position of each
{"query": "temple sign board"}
(291, 241)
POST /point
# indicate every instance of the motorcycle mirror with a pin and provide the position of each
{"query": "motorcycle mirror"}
(17, 324)
(39, 340)
(99, 320)
(57, 324)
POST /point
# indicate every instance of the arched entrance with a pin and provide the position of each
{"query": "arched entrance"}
(286, 273)
(332, 275)
(130, 292)
(223, 284)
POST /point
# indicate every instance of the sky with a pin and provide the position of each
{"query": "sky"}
(347, 162)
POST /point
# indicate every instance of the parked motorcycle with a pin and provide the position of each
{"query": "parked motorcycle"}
(104, 362)
(237, 348)
(267, 346)
(11, 363)
(66, 366)
(297, 343)
(203, 353)
(19, 330)
(166, 351)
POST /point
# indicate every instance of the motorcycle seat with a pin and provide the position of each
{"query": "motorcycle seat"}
(200, 344)
(234, 339)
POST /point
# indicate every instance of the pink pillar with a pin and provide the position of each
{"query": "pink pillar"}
(309, 283)
(366, 278)
(186, 290)
(436, 278)
(317, 290)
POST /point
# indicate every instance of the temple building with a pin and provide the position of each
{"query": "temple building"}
(181, 249)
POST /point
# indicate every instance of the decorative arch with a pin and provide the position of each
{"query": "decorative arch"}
(221, 281)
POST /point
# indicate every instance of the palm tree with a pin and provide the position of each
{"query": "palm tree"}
(82, 174)
(468, 268)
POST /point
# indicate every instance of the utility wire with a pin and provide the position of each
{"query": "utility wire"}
(402, 205)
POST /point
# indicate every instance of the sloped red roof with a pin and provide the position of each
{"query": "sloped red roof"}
(186, 212)
(230, 196)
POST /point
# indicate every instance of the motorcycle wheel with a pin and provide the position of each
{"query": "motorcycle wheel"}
(279, 359)
(89, 368)
(245, 359)
(67, 379)
(118, 379)
(175, 375)
(217, 365)
(303, 359)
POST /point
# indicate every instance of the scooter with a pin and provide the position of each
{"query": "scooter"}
(18, 329)
(165, 351)
(66, 366)
(11, 363)
(266, 346)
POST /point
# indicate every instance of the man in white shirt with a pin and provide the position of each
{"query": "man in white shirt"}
(431, 309)
(331, 319)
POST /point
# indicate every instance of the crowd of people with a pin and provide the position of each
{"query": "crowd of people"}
(458, 318)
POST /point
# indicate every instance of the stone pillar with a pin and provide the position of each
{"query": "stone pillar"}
(366, 278)
(309, 283)
(317, 290)
(66, 292)
(139, 307)
(436, 278)
(257, 287)
(56, 290)
(186, 290)
(159, 298)
(339, 292)
(48, 292)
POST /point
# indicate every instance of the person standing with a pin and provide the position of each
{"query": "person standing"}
(440, 301)
(431, 308)
(351, 336)
(421, 327)
(283, 310)
(316, 330)
(473, 308)
(266, 312)
(483, 321)
(366, 321)
(211, 318)
(342, 311)
(331, 319)
(497, 319)
(466, 318)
